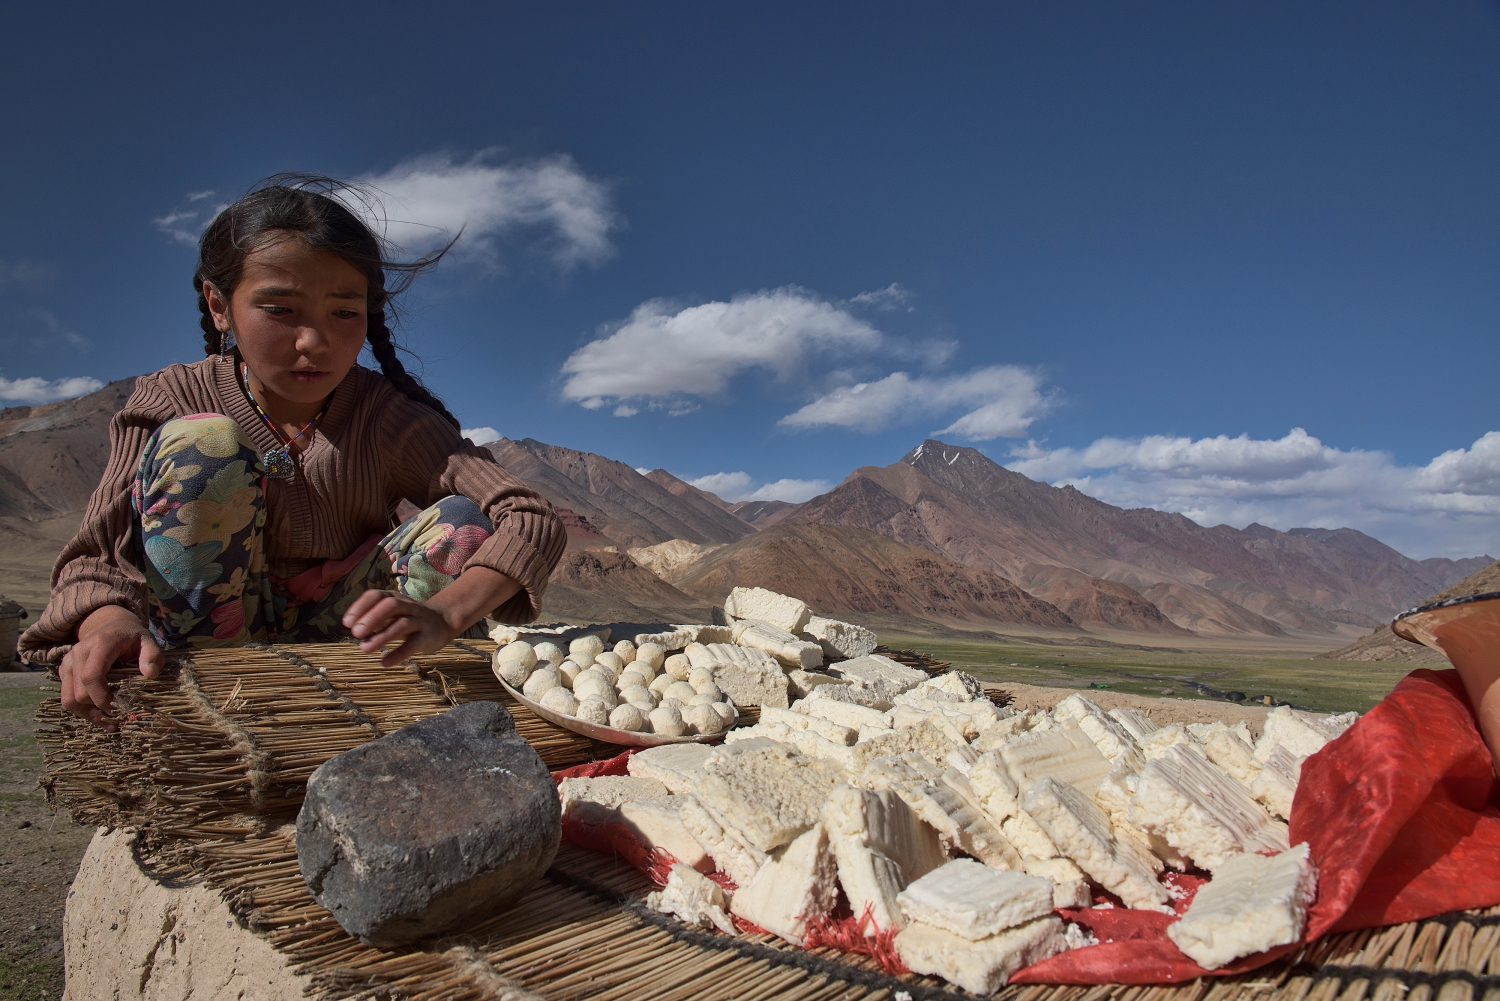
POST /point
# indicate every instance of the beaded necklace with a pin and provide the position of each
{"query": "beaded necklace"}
(278, 461)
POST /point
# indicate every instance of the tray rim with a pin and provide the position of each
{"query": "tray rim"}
(610, 735)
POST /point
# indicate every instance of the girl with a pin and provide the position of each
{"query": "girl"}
(251, 496)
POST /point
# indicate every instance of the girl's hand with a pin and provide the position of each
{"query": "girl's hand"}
(380, 617)
(107, 635)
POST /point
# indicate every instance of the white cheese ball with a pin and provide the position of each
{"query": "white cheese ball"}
(629, 717)
(726, 711)
(559, 700)
(590, 644)
(703, 699)
(666, 720)
(519, 650)
(661, 683)
(611, 661)
(570, 672)
(513, 672)
(541, 682)
(637, 693)
(710, 689)
(589, 685)
(644, 707)
(625, 650)
(593, 711)
(630, 676)
(674, 703)
(652, 654)
(699, 676)
(678, 666)
(681, 691)
(702, 719)
(581, 657)
(549, 651)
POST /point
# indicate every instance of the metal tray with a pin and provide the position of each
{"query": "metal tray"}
(609, 734)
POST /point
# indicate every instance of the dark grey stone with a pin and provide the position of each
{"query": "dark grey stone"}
(438, 825)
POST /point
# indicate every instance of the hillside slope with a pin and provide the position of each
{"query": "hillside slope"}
(1384, 645)
(51, 456)
(840, 570)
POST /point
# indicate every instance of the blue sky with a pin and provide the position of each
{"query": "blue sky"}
(1234, 260)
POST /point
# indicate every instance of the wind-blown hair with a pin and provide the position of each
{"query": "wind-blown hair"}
(312, 207)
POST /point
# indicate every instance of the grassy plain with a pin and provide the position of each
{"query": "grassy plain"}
(1327, 685)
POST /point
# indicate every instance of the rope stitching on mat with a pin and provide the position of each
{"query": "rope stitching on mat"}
(259, 764)
(321, 682)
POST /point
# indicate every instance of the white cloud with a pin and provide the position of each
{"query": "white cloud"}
(624, 410)
(481, 436)
(662, 352)
(890, 297)
(739, 486)
(1449, 507)
(182, 226)
(59, 332)
(22, 273)
(33, 390)
(548, 203)
(1001, 401)
(642, 470)
(198, 196)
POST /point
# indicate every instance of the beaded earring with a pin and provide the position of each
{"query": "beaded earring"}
(226, 344)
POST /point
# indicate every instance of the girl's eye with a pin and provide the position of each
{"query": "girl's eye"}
(275, 310)
(347, 314)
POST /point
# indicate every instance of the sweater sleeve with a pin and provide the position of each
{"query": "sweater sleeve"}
(429, 461)
(100, 566)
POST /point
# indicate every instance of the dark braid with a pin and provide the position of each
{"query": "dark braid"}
(384, 350)
(310, 206)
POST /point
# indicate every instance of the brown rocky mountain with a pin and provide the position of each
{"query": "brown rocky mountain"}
(1103, 602)
(756, 512)
(1384, 645)
(954, 500)
(608, 586)
(51, 456)
(618, 501)
(851, 571)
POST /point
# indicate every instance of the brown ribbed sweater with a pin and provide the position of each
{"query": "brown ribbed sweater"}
(373, 448)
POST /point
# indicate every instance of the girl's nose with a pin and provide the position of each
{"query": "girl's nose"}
(310, 340)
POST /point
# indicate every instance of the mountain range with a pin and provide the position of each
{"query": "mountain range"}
(945, 535)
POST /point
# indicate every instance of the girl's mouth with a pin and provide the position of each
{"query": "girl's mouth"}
(310, 376)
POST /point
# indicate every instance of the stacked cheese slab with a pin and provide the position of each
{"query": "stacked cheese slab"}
(964, 828)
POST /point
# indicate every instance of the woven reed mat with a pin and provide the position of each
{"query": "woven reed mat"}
(210, 765)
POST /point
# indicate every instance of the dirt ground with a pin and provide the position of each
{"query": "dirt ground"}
(1161, 711)
(39, 852)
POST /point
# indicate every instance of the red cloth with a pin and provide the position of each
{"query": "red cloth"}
(1402, 814)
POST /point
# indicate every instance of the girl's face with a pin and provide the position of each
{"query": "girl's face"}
(299, 317)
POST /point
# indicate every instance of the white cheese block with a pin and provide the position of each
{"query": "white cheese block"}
(1063, 752)
(975, 901)
(730, 856)
(955, 686)
(676, 766)
(1204, 732)
(1027, 836)
(835, 732)
(995, 735)
(970, 719)
(1113, 797)
(1200, 810)
(693, 898)
(846, 692)
(800, 683)
(1303, 734)
(596, 800)
(658, 823)
(769, 795)
(1252, 904)
(982, 967)
(699, 655)
(704, 633)
(1135, 722)
(1107, 733)
(798, 884)
(1082, 832)
(1275, 784)
(752, 682)
(784, 612)
(880, 845)
(669, 640)
(845, 714)
(839, 640)
(1156, 744)
(1229, 751)
(788, 649)
(970, 828)
(1059, 870)
(1073, 893)
(879, 675)
(993, 787)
